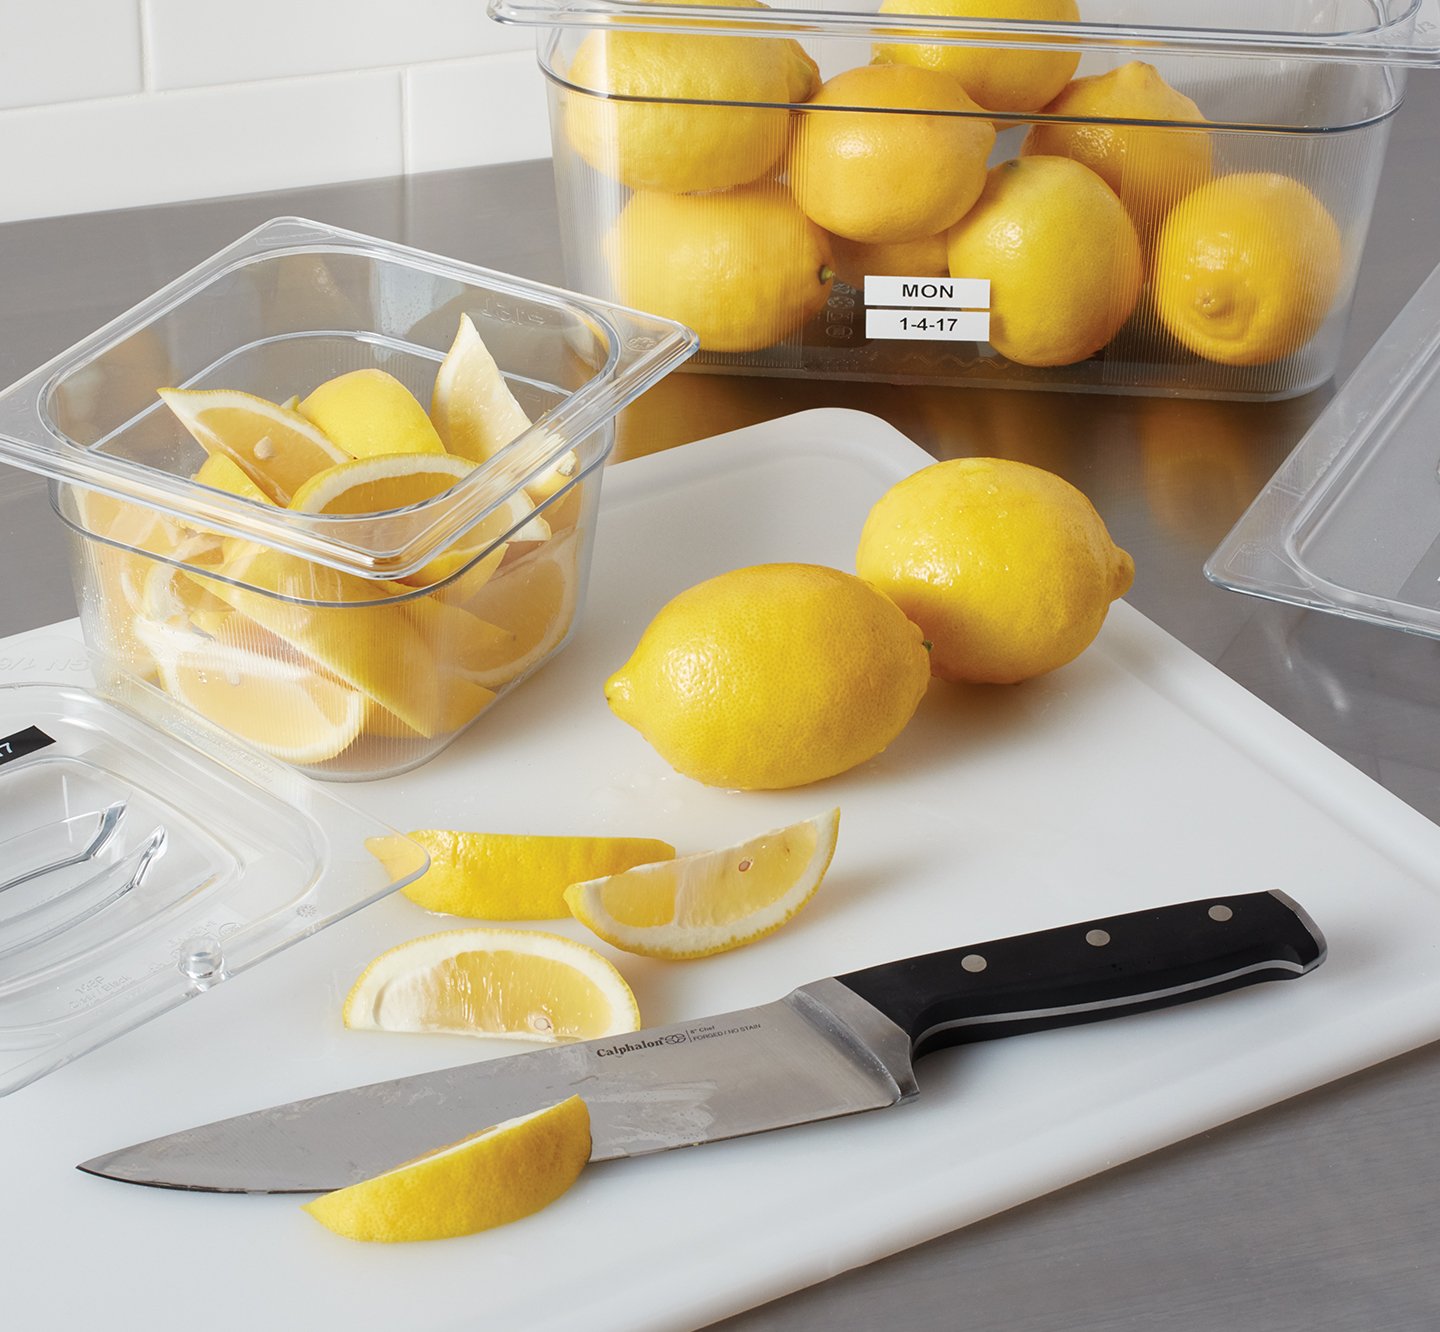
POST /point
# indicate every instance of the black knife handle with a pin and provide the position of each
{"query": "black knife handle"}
(1094, 970)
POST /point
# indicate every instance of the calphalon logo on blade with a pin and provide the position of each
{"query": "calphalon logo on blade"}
(675, 1038)
(704, 1033)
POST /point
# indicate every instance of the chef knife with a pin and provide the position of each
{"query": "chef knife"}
(830, 1048)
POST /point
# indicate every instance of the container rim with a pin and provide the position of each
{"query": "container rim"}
(551, 72)
(640, 348)
(1410, 36)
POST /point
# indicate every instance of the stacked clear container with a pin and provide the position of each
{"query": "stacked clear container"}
(693, 161)
(354, 645)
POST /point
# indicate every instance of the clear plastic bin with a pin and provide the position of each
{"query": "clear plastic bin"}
(1350, 524)
(351, 644)
(871, 228)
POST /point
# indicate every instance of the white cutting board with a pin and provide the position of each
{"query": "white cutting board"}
(1137, 775)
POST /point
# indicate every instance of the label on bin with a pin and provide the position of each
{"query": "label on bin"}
(22, 743)
(949, 309)
(935, 292)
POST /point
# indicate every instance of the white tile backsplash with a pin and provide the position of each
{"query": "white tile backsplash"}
(115, 103)
(63, 50)
(200, 143)
(468, 111)
(195, 43)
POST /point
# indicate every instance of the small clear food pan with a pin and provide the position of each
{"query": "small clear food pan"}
(146, 856)
(346, 579)
(1351, 521)
(1103, 195)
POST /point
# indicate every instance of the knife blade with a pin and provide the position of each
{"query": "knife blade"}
(834, 1047)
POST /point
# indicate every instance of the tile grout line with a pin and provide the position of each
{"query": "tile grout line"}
(404, 73)
(147, 70)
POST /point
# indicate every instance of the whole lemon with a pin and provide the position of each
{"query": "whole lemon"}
(772, 676)
(744, 268)
(855, 260)
(1061, 254)
(1148, 166)
(683, 111)
(1000, 78)
(1007, 568)
(1247, 268)
(873, 175)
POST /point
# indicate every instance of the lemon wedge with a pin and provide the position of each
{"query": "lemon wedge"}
(517, 984)
(279, 450)
(477, 415)
(220, 472)
(369, 412)
(532, 600)
(378, 649)
(499, 1175)
(711, 902)
(507, 876)
(253, 686)
(396, 481)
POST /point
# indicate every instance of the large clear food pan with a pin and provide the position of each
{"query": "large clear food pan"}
(1350, 523)
(146, 857)
(356, 640)
(844, 224)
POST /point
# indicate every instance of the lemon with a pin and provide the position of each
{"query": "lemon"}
(517, 984)
(855, 261)
(497, 1176)
(1061, 254)
(1247, 268)
(710, 903)
(999, 78)
(772, 676)
(369, 412)
(532, 602)
(476, 414)
(384, 482)
(1148, 166)
(502, 876)
(744, 268)
(1006, 567)
(276, 448)
(112, 593)
(173, 607)
(254, 687)
(359, 634)
(872, 175)
(220, 472)
(626, 112)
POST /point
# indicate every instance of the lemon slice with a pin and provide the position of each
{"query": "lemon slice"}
(476, 415)
(253, 686)
(497, 1176)
(712, 902)
(369, 412)
(363, 637)
(533, 600)
(396, 481)
(175, 606)
(517, 984)
(278, 450)
(504, 876)
(114, 596)
(220, 472)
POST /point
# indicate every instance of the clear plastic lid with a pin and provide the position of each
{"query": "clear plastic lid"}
(146, 856)
(289, 304)
(1351, 522)
(1400, 32)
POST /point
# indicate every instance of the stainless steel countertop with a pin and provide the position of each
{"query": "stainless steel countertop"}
(1313, 1215)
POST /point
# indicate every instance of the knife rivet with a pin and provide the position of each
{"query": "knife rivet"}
(973, 962)
(1220, 913)
(1099, 938)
